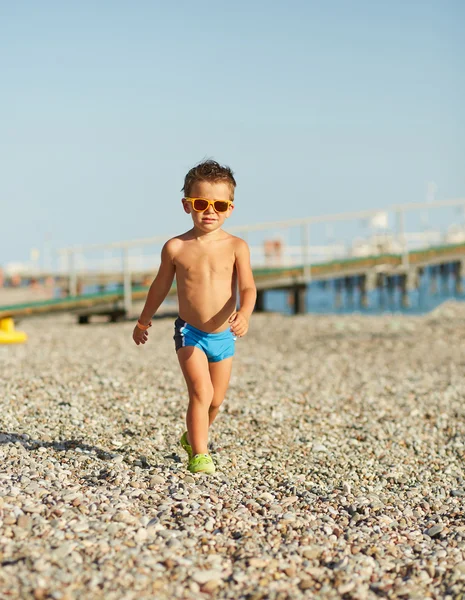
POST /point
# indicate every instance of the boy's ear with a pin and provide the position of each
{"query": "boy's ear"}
(186, 205)
(231, 208)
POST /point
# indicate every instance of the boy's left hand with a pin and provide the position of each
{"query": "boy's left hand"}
(239, 323)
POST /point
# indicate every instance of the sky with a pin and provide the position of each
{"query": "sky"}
(318, 106)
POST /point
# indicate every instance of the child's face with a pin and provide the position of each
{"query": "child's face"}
(209, 220)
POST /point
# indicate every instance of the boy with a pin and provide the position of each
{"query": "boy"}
(208, 264)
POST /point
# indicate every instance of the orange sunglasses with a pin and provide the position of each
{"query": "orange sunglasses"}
(201, 204)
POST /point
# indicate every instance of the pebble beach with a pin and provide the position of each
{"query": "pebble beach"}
(339, 449)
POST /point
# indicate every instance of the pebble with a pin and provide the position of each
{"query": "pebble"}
(202, 577)
(156, 480)
(311, 552)
(333, 472)
(306, 583)
(319, 448)
(435, 530)
(24, 522)
(211, 586)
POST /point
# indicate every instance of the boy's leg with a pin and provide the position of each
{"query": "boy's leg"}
(194, 366)
(220, 373)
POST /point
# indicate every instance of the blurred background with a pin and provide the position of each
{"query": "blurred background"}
(343, 122)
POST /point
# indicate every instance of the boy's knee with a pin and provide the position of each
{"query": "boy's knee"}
(201, 392)
(216, 402)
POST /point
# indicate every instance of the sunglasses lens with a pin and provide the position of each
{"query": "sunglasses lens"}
(200, 204)
(221, 206)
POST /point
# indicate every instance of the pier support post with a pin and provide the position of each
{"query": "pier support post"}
(367, 282)
(405, 301)
(363, 291)
(390, 289)
(380, 279)
(458, 272)
(349, 285)
(260, 302)
(444, 273)
(338, 293)
(433, 287)
(300, 297)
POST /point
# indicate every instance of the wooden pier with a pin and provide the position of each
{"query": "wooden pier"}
(383, 272)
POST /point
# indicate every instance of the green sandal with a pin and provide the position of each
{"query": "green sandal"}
(185, 444)
(201, 463)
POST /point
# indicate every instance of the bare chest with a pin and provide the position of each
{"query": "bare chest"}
(200, 264)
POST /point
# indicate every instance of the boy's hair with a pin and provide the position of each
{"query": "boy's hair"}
(211, 171)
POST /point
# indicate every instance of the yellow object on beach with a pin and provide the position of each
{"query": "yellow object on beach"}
(8, 334)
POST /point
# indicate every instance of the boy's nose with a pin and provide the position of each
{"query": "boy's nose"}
(210, 210)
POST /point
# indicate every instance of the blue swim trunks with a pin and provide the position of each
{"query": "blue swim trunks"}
(217, 346)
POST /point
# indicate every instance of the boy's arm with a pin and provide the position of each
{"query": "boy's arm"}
(247, 290)
(158, 291)
(161, 285)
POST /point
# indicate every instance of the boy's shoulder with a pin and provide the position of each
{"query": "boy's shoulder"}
(173, 246)
(178, 240)
(239, 243)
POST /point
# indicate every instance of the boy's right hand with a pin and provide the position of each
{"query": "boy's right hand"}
(140, 336)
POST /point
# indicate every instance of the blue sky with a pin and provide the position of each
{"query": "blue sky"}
(318, 107)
